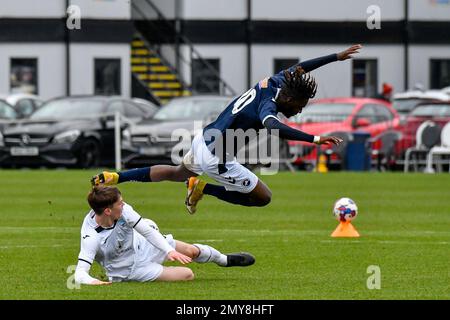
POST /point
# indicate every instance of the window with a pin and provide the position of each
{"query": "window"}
(365, 78)
(383, 113)
(283, 64)
(367, 112)
(25, 107)
(133, 111)
(439, 73)
(205, 80)
(116, 106)
(6, 112)
(107, 77)
(23, 76)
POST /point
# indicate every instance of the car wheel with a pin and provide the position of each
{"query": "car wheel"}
(89, 154)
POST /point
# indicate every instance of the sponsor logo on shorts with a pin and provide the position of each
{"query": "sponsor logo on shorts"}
(246, 182)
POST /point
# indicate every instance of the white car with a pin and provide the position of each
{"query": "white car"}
(406, 101)
(24, 104)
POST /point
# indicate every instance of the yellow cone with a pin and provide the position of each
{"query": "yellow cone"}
(322, 164)
(345, 230)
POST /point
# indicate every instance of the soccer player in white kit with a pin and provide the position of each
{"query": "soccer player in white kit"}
(130, 249)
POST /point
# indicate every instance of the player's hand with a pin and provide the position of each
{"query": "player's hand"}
(348, 54)
(99, 283)
(175, 255)
(330, 140)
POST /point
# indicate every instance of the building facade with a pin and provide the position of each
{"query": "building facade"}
(45, 50)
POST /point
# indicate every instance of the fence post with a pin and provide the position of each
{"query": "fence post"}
(117, 140)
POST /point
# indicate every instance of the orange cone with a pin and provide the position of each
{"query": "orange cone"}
(345, 230)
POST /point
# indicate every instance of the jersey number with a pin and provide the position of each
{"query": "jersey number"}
(244, 100)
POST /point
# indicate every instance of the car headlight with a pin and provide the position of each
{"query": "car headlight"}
(126, 136)
(67, 136)
(2, 142)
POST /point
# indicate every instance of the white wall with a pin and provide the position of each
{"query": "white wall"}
(32, 8)
(334, 79)
(325, 10)
(429, 10)
(92, 9)
(51, 66)
(215, 9)
(419, 62)
(233, 68)
(82, 67)
(103, 9)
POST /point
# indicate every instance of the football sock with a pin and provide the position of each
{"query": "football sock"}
(228, 196)
(140, 175)
(209, 254)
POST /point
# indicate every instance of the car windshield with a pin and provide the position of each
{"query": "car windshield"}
(190, 109)
(69, 109)
(405, 105)
(324, 112)
(432, 110)
(6, 111)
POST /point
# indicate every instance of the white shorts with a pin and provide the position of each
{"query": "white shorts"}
(148, 265)
(200, 160)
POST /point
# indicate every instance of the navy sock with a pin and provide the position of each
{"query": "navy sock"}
(228, 196)
(140, 174)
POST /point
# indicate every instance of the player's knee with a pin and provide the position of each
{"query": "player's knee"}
(192, 251)
(265, 198)
(188, 275)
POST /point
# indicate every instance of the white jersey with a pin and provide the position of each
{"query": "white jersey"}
(120, 249)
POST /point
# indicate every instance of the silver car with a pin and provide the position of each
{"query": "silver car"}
(151, 142)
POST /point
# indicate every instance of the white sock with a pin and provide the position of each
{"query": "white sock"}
(209, 254)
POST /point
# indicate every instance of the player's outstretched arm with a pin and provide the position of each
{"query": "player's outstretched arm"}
(289, 133)
(310, 65)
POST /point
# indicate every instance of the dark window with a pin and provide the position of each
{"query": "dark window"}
(23, 76)
(439, 73)
(283, 64)
(205, 80)
(107, 77)
(365, 78)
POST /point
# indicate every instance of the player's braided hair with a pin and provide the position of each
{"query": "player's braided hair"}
(299, 85)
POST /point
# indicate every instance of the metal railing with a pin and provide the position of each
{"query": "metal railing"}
(177, 40)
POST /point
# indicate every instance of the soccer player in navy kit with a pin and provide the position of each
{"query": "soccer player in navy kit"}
(287, 92)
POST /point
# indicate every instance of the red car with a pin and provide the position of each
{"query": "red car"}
(325, 116)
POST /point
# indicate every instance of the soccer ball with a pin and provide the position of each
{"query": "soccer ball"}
(345, 209)
(151, 223)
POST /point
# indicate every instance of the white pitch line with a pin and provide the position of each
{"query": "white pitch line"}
(35, 246)
(392, 242)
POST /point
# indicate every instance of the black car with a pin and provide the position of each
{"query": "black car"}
(73, 131)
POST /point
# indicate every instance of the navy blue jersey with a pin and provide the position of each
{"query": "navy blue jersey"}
(254, 107)
(249, 110)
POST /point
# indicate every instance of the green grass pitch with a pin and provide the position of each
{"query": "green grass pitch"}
(403, 221)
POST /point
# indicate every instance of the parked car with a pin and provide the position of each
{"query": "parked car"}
(438, 112)
(326, 116)
(7, 115)
(24, 104)
(72, 131)
(152, 108)
(405, 102)
(150, 141)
